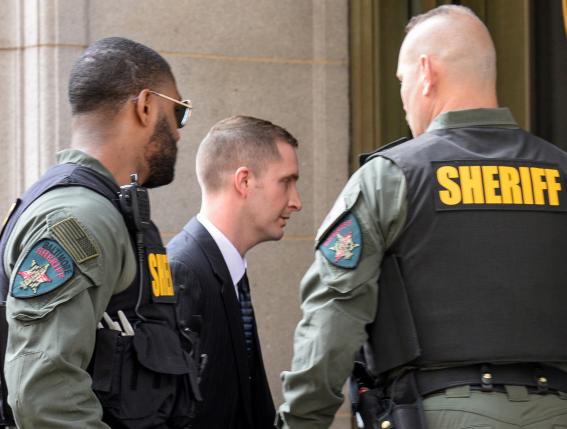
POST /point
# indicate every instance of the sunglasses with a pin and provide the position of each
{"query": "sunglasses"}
(183, 108)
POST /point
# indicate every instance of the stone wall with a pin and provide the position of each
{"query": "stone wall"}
(282, 60)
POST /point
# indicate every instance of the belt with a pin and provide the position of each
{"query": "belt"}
(541, 378)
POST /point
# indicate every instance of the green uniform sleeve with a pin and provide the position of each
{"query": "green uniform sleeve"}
(51, 336)
(338, 303)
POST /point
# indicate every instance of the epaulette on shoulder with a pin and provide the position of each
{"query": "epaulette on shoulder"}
(365, 157)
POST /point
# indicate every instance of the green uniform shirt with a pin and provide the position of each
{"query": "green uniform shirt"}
(338, 303)
(51, 336)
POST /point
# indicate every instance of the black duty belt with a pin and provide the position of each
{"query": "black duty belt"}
(540, 378)
(400, 405)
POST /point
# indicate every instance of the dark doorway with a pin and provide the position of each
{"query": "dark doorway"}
(549, 61)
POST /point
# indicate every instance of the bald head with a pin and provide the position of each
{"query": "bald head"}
(458, 40)
(450, 51)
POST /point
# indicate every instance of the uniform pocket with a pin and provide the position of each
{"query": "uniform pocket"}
(158, 348)
(136, 377)
(119, 381)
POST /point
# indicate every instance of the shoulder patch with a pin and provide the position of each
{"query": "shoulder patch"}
(342, 246)
(75, 239)
(46, 267)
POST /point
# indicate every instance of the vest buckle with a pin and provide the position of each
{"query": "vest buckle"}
(486, 380)
(542, 384)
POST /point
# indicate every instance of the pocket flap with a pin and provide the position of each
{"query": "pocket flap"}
(158, 348)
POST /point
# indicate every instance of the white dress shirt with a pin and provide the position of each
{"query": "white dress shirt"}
(234, 261)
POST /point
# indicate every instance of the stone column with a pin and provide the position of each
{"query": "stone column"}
(39, 40)
(281, 60)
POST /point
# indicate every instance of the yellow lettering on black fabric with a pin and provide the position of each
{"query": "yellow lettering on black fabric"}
(452, 193)
(162, 282)
(526, 185)
(166, 286)
(471, 184)
(498, 184)
(152, 263)
(491, 184)
(539, 185)
(510, 185)
(553, 187)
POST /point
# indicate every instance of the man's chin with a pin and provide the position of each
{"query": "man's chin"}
(279, 235)
(157, 181)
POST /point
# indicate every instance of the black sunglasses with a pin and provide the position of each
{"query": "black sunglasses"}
(183, 109)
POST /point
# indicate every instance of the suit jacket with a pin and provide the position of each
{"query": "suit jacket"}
(235, 390)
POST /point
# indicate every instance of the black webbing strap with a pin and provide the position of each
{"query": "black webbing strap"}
(57, 176)
(6, 417)
(542, 378)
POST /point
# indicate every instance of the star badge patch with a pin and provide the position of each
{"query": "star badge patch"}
(46, 267)
(342, 246)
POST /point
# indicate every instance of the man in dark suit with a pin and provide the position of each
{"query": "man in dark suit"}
(248, 170)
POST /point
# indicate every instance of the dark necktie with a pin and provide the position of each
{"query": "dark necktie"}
(247, 313)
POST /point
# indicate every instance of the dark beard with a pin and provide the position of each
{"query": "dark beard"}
(162, 157)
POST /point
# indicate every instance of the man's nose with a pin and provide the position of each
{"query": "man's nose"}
(295, 200)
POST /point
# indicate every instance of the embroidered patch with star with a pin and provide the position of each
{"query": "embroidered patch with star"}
(342, 246)
(46, 267)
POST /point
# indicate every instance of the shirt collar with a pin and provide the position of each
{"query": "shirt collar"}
(234, 261)
(498, 117)
(76, 156)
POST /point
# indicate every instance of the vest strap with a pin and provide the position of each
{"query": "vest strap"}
(6, 417)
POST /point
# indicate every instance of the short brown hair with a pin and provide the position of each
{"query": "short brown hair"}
(238, 141)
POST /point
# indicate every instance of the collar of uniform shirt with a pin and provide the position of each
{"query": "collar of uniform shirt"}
(234, 261)
(500, 117)
(79, 157)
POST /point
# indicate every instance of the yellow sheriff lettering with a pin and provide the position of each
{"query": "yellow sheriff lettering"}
(162, 281)
(498, 184)
(539, 185)
(167, 281)
(152, 264)
(491, 184)
(451, 194)
(526, 185)
(471, 184)
(510, 185)
(553, 186)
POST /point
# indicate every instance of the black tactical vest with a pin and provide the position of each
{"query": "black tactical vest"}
(479, 273)
(153, 356)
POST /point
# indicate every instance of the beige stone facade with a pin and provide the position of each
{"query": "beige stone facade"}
(282, 60)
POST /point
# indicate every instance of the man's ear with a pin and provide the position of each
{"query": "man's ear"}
(427, 74)
(143, 107)
(241, 180)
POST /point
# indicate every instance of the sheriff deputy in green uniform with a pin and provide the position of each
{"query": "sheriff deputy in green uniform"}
(77, 245)
(445, 257)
